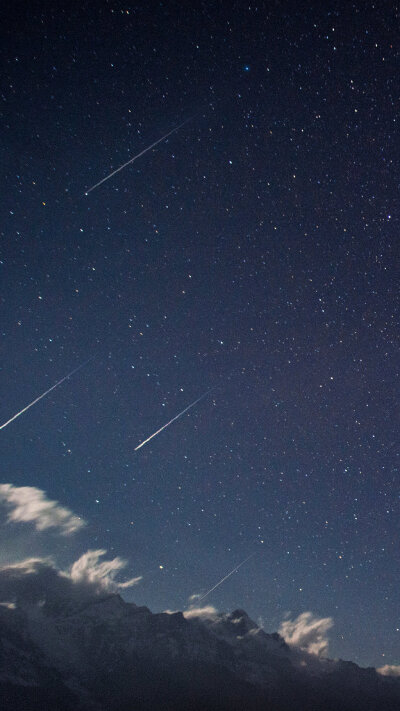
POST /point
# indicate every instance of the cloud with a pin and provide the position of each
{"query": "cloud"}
(30, 505)
(193, 598)
(307, 632)
(389, 670)
(37, 581)
(208, 612)
(33, 581)
(87, 569)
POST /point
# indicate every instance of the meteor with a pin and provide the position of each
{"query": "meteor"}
(135, 157)
(44, 394)
(173, 419)
(226, 577)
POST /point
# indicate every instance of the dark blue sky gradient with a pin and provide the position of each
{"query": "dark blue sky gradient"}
(255, 251)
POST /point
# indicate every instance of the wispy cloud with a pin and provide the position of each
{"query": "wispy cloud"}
(307, 632)
(27, 504)
(389, 670)
(38, 580)
(88, 569)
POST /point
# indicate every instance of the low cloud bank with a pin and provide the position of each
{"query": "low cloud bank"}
(38, 581)
(308, 633)
(205, 613)
(389, 670)
(27, 504)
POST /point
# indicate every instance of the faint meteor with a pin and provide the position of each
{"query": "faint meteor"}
(173, 420)
(44, 394)
(135, 157)
(225, 578)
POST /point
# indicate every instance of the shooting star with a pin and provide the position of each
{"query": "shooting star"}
(44, 394)
(137, 156)
(225, 578)
(173, 419)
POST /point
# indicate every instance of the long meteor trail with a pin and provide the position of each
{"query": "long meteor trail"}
(43, 394)
(173, 420)
(135, 157)
(225, 578)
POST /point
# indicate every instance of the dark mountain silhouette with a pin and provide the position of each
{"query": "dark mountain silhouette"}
(103, 654)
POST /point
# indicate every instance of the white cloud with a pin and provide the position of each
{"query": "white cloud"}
(30, 505)
(389, 670)
(88, 569)
(208, 612)
(37, 580)
(307, 632)
(204, 612)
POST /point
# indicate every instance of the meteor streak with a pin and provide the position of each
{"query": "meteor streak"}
(173, 420)
(44, 394)
(226, 577)
(135, 157)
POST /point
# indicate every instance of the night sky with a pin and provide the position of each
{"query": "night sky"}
(252, 252)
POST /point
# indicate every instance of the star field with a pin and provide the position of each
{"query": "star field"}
(254, 251)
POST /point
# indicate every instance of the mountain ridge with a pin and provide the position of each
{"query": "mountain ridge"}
(104, 654)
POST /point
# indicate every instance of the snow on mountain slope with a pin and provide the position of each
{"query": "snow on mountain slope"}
(103, 653)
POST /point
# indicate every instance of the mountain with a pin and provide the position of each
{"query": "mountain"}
(103, 654)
